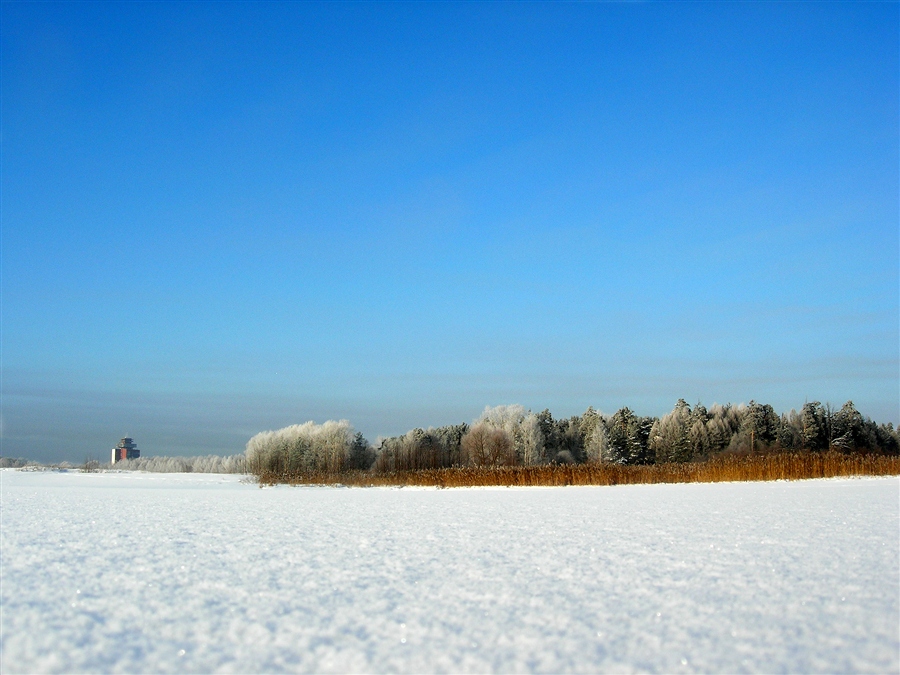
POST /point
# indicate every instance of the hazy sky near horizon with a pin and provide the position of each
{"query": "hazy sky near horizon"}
(219, 218)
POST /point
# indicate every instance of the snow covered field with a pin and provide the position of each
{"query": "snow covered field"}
(204, 573)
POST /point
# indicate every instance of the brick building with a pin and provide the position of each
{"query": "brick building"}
(126, 449)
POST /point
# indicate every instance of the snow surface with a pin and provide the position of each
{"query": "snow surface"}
(137, 572)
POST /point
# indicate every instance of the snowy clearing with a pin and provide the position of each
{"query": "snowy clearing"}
(136, 572)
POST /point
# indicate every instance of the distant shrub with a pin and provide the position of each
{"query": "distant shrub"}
(12, 462)
(203, 464)
(90, 465)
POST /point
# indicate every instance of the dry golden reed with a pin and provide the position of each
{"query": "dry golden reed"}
(729, 467)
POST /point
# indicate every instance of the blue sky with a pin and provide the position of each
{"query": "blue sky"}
(219, 218)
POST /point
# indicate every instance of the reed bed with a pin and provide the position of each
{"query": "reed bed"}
(730, 467)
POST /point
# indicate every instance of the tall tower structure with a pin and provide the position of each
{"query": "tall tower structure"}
(126, 449)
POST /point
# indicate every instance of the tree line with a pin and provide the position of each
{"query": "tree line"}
(510, 435)
(199, 464)
(160, 464)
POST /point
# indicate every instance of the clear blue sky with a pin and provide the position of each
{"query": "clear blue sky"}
(219, 218)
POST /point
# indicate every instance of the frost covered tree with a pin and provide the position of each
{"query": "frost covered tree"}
(628, 437)
(699, 432)
(888, 438)
(790, 435)
(532, 440)
(430, 448)
(815, 432)
(549, 433)
(200, 464)
(723, 423)
(508, 419)
(597, 445)
(670, 436)
(486, 445)
(589, 421)
(849, 430)
(523, 429)
(450, 437)
(759, 428)
(301, 448)
(12, 462)
(401, 453)
(361, 455)
(852, 432)
(569, 441)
